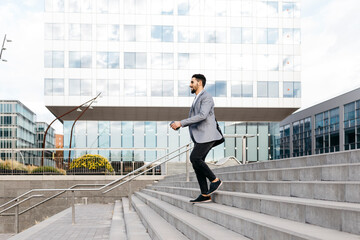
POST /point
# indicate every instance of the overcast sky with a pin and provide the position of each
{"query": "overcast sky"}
(330, 52)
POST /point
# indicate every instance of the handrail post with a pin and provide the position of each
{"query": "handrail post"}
(73, 207)
(244, 149)
(16, 217)
(187, 162)
(129, 197)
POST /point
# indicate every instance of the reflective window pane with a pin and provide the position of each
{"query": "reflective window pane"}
(168, 60)
(74, 87)
(85, 88)
(273, 9)
(235, 33)
(168, 88)
(140, 33)
(129, 33)
(141, 60)
(288, 9)
(101, 32)
(235, 89)
(74, 60)
(246, 35)
(140, 88)
(58, 5)
(183, 7)
(262, 89)
(114, 87)
(86, 32)
(288, 63)
(113, 32)
(273, 36)
(156, 33)
(168, 34)
(86, 60)
(183, 60)
(210, 36)
(113, 60)
(74, 31)
(74, 6)
(114, 6)
(58, 59)
(48, 31)
(48, 86)
(102, 86)
(156, 60)
(48, 59)
(247, 89)
(102, 6)
(261, 37)
(58, 31)
(183, 89)
(288, 89)
(129, 60)
(86, 6)
(273, 89)
(156, 88)
(58, 87)
(297, 89)
(210, 88)
(220, 89)
(129, 88)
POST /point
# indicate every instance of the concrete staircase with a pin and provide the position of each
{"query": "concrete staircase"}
(316, 197)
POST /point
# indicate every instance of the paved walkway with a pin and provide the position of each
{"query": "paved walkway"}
(5, 236)
(92, 222)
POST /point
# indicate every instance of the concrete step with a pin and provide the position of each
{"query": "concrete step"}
(157, 227)
(322, 190)
(345, 157)
(117, 228)
(194, 227)
(336, 172)
(250, 224)
(334, 215)
(135, 230)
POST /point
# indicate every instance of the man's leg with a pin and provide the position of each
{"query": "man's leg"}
(201, 169)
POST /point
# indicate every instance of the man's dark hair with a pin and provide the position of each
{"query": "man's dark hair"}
(200, 77)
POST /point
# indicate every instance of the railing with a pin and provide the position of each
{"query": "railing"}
(111, 186)
(73, 189)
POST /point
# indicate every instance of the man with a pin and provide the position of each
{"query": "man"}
(205, 134)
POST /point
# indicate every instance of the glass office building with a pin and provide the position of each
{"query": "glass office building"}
(331, 126)
(19, 129)
(141, 54)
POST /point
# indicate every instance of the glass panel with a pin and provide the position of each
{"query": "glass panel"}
(140, 60)
(102, 6)
(114, 6)
(58, 31)
(261, 35)
(129, 60)
(297, 89)
(140, 86)
(141, 33)
(168, 61)
(114, 87)
(156, 88)
(156, 33)
(86, 32)
(85, 87)
(235, 35)
(48, 31)
(183, 89)
(58, 87)
(86, 6)
(247, 89)
(273, 9)
(101, 59)
(48, 59)
(74, 60)
(183, 60)
(246, 35)
(74, 87)
(273, 36)
(288, 9)
(102, 86)
(210, 88)
(220, 88)
(74, 31)
(58, 59)
(236, 89)
(129, 88)
(210, 36)
(263, 142)
(48, 87)
(183, 7)
(114, 33)
(262, 89)
(113, 60)
(167, 34)
(86, 60)
(74, 6)
(273, 89)
(129, 33)
(101, 32)
(288, 89)
(168, 88)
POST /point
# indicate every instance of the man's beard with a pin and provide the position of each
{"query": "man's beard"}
(193, 91)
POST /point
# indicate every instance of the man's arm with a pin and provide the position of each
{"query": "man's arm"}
(206, 104)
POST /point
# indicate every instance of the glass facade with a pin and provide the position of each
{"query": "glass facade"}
(18, 129)
(352, 125)
(301, 138)
(170, 35)
(327, 137)
(114, 134)
(142, 53)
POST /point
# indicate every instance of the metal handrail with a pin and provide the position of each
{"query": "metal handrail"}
(18, 203)
(72, 188)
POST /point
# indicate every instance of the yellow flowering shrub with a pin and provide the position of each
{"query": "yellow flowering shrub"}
(91, 162)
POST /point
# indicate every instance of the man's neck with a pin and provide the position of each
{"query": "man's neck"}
(199, 91)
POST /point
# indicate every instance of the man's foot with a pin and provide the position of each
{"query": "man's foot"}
(201, 199)
(214, 186)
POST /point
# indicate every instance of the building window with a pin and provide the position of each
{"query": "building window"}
(107, 60)
(135, 88)
(184, 89)
(79, 32)
(268, 89)
(134, 33)
(162, 7)
(79, 87)
(217, 88)
(162, 60)
(350, 125)
(54, 5)
(135, 60)
(54, 31)
(215, 36)
(292, 89)
(54, 87)
(188, 61)
(162, 88)
(80, 60)
(188, 35)
(188, 7)
(54, 59)
(107, 32)
(162, 33)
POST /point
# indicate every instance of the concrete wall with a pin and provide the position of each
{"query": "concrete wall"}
(13, 186)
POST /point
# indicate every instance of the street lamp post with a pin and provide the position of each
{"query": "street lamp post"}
(72, 127)
(75, 108)
(3, 47)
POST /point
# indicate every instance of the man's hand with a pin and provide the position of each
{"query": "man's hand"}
(175, 125)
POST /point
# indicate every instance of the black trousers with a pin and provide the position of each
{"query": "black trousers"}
(201, 169)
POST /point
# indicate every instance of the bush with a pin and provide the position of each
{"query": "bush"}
(48, 169)
(12, 165)
(91, 163)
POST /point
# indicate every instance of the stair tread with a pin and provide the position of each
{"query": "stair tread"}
(134, 227)
(296, 200)
(117, 228)
(292, 227)
(158, 224)
(284, 182)
(209, 229)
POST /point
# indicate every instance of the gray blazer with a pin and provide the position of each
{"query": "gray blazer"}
(201, 121)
